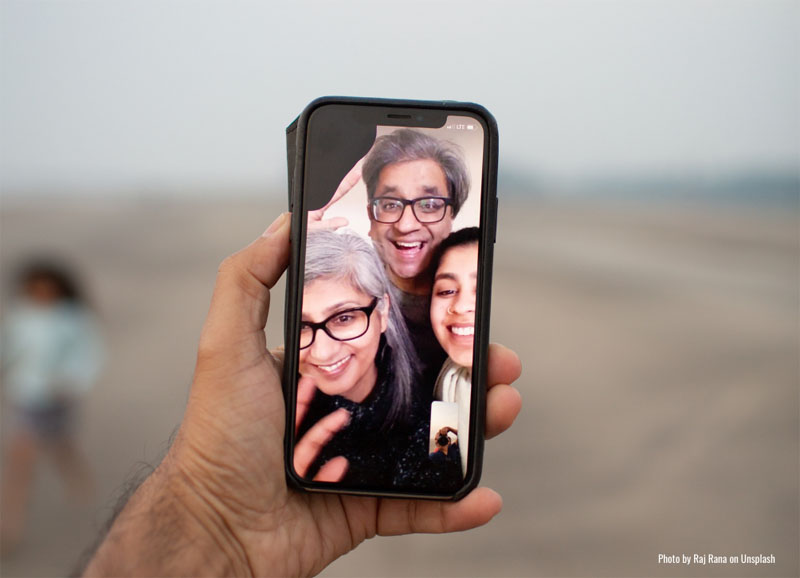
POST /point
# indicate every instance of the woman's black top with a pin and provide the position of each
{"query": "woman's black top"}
(381, 455)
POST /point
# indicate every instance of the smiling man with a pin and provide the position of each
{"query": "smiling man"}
(416, 184)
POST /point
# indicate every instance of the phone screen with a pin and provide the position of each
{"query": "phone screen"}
(390, 282)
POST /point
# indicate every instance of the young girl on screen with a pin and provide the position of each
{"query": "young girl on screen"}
(453, 320)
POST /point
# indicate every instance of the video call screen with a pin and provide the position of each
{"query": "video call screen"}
(389, 303)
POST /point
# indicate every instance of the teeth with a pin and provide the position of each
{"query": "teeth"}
(335, 366)
(463, 330)
(408, 245)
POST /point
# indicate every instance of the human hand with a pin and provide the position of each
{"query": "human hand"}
(316, 219)
(310, 445)
(219, 502)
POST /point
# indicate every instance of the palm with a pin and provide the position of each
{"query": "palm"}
(246, 442)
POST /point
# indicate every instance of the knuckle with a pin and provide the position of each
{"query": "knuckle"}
(228, 264)
(208, 349)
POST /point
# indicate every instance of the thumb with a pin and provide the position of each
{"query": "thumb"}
(240, 303)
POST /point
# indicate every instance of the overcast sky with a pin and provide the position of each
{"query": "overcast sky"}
(165, 95)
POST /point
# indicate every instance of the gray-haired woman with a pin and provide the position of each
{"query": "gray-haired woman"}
(356, 351)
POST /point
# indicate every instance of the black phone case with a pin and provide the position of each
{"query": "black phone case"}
(295, 149)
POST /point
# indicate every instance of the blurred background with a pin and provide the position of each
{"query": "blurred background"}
(646, 262)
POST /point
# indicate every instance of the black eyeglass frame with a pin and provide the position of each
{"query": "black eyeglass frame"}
(323, 324)
(448, 202)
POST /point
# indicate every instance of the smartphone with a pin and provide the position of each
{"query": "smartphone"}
(388, 295)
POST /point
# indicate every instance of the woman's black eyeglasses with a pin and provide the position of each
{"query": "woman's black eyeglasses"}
(341, 326)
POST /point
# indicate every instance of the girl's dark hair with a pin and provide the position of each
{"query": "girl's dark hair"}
(465, 236)
(59, 275)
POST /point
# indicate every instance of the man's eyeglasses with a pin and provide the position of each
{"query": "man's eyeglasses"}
(341, 326)
(425, 209)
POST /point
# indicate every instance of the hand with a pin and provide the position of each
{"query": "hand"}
(306, 389)
(316, 220)
(220, 495)
(311, 444)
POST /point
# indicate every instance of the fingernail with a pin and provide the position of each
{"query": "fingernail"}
(276, 225)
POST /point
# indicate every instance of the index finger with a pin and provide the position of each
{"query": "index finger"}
(306, 388)
(348, 182)
(503, 402)
(309, 447)
(504, 365)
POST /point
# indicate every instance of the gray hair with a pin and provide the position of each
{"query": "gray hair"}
(347, 256)
(410, 145)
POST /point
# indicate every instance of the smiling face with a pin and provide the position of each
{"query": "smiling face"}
(345, 368)
(453, 302)
(406, 246)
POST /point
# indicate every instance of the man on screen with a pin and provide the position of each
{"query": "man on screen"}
(416, 185)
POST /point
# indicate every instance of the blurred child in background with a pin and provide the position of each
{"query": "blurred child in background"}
(50, 355)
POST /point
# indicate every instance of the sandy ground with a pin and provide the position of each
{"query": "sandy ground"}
(660, 346)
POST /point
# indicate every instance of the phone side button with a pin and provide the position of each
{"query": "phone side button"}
(494, 231)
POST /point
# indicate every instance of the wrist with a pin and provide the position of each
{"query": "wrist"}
(169, 528)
